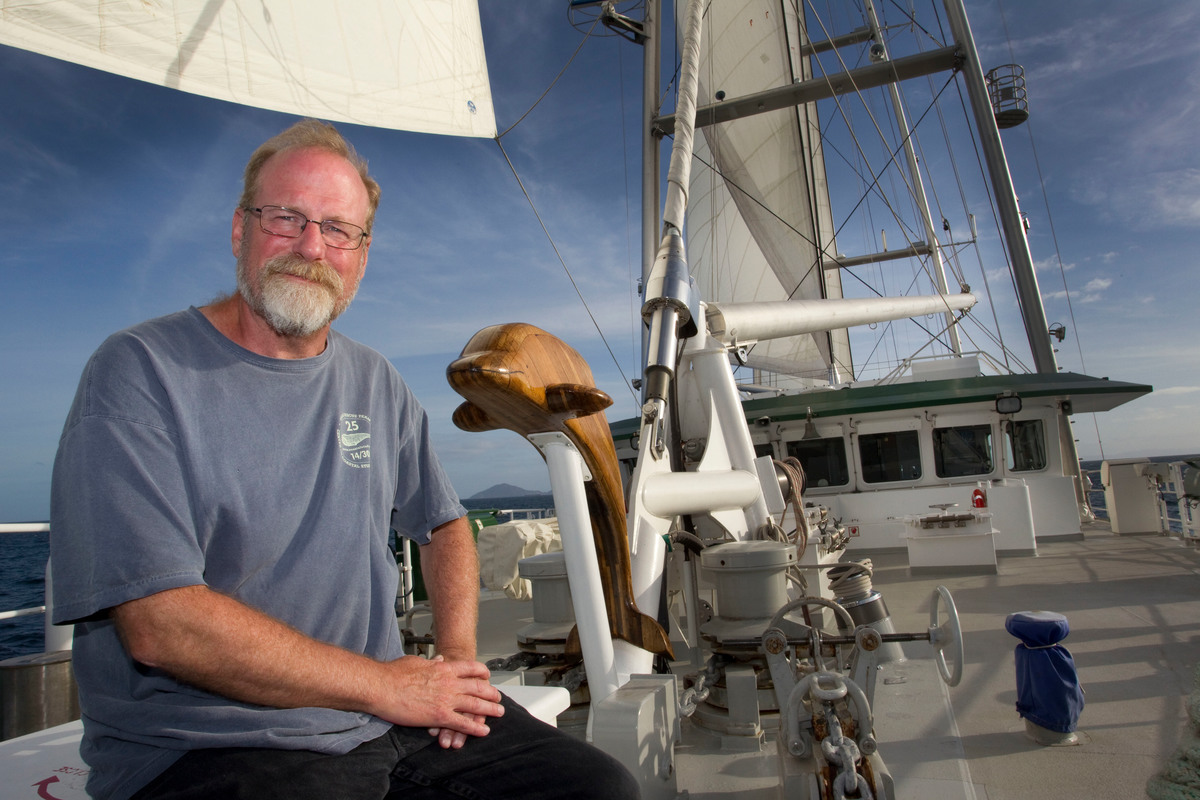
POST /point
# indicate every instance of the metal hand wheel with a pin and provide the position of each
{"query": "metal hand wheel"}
(947, 635)
(843, 619)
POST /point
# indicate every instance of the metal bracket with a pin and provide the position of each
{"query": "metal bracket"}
(543, 440)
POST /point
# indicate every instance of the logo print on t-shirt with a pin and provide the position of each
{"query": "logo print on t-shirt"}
(354, 439)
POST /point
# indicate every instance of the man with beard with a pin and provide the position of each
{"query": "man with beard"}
(221, 508)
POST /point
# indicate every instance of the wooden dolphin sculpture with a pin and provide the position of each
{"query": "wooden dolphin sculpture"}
(518, 377)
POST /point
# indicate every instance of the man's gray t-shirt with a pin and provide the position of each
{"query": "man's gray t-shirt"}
(189, 460)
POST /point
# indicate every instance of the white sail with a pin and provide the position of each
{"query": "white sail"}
(758, 225)
(413, 65)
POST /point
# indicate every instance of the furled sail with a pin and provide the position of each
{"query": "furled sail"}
(413, 65)
(759, 222)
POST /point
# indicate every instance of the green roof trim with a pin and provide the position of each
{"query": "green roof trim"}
(1087, 394)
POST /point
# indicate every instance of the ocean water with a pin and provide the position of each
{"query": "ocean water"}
(533, 501)
(22, 569)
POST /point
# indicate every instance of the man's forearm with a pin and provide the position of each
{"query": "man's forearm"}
(216, 643)
(219, 644)
(450, 567)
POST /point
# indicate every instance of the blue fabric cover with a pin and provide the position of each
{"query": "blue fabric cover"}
(1048, 690)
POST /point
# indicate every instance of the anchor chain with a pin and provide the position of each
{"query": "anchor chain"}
(573, 678)
(698, 692)
(515, 663)
(843, 753)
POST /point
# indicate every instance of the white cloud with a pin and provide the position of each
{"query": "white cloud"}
(1144, 35)
(1124, 139)
(1156, 424)
(1052, 263)
(1147, 199)
(1090, 293)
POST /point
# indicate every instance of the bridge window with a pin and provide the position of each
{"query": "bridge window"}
(887, 457)
(963, 450)
(824, 461)
(1026, 445)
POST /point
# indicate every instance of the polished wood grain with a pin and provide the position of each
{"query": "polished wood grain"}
(520, 378)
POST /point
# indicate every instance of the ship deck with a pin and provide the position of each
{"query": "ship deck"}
(1133, 603)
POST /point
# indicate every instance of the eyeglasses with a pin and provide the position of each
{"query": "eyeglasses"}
(280, 221)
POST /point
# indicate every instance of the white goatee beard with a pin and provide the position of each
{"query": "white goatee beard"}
(292, 308)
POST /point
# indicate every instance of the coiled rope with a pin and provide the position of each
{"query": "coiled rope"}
(852, 579)
(1181, 778)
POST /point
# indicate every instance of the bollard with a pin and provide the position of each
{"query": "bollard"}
(37, 692)
(1049, 697)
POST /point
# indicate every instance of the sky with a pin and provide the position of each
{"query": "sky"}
(116, 199)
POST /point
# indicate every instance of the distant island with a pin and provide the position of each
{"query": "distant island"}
(505, 490)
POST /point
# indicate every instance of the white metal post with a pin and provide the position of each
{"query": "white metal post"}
(583, 567)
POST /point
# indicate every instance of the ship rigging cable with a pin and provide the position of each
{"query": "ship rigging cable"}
(542, 223)
(1053, 233)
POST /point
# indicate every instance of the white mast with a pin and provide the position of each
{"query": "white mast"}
(1028, 294)
(918, 184)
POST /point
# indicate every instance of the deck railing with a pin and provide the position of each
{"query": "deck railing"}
(59, 637)
(1177, 511)
(54, 638)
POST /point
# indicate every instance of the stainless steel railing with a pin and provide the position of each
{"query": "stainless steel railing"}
(56, 638)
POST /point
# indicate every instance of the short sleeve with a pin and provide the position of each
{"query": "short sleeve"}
(120, 524)
(425, 498)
